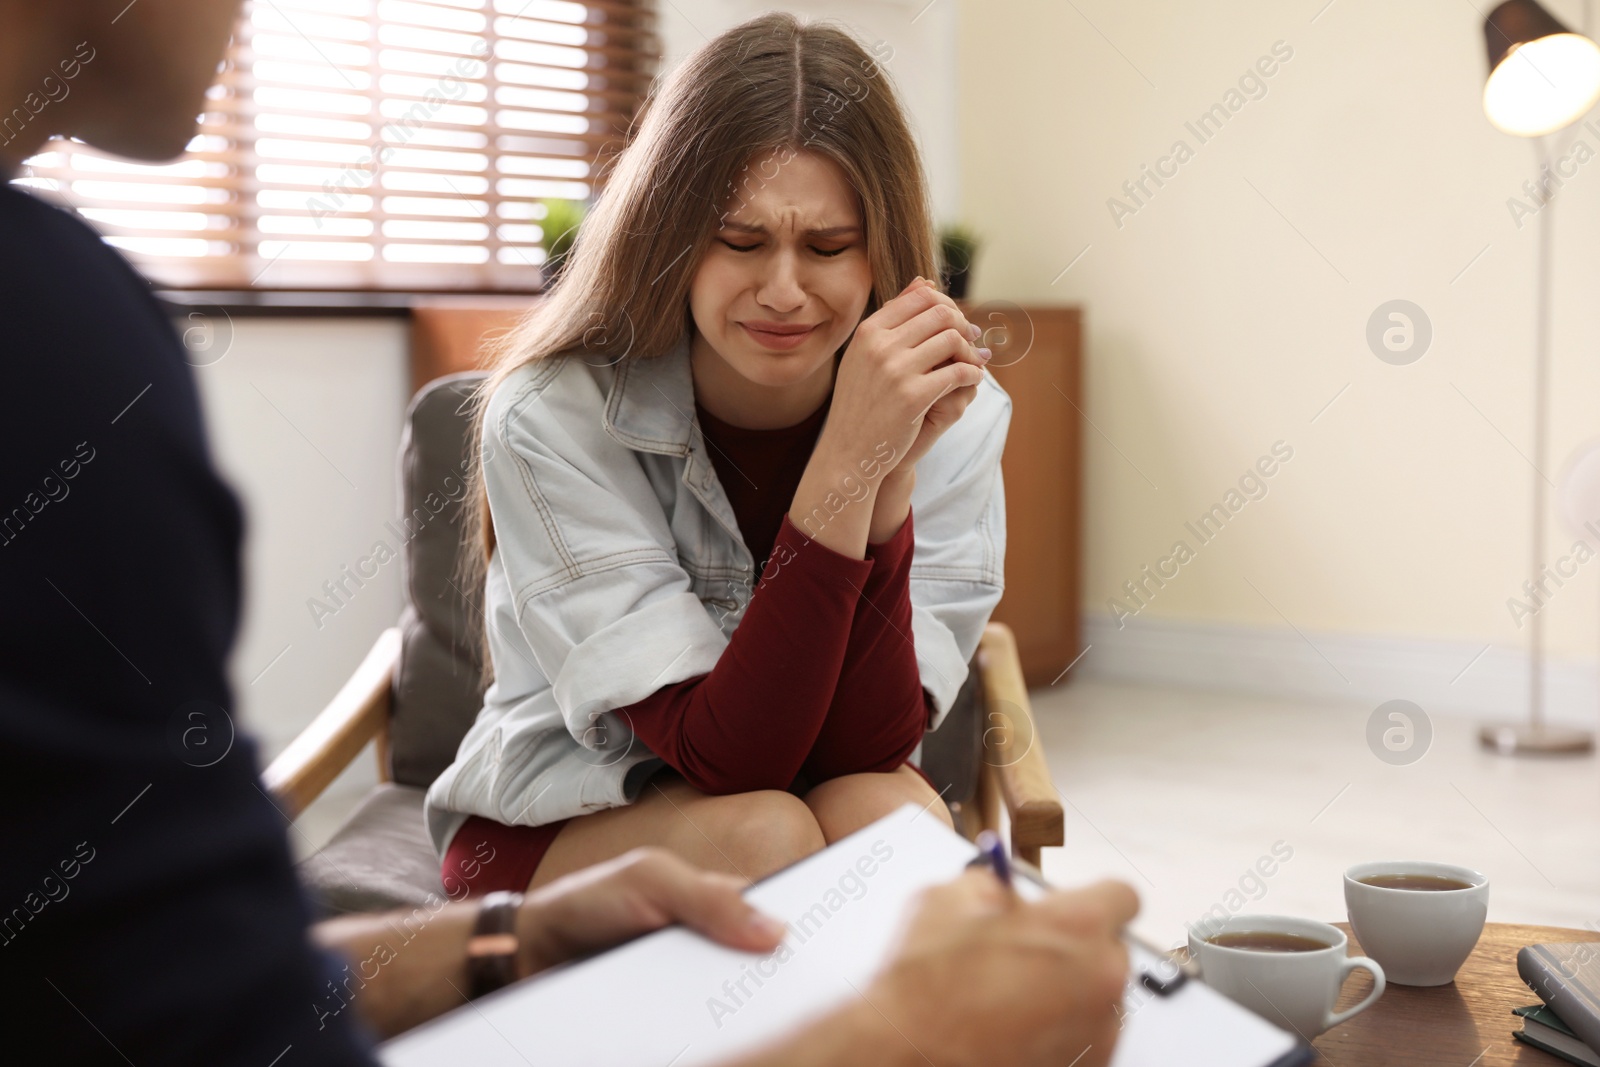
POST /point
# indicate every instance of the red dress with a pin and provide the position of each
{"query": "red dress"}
(822, 665)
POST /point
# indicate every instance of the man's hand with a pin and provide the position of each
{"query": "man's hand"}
(988, 979)
(637, 892)
(982, 978)
(425, 974)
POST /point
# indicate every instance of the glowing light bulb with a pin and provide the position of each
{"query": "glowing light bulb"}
(1543, 85)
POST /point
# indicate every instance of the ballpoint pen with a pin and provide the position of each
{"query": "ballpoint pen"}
(992, 854)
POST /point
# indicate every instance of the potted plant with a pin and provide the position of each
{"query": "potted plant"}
(559, 228)
(957, 247)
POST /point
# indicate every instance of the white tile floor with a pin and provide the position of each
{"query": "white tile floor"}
(1181, 792)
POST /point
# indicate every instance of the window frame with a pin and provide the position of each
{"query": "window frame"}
(621, 51)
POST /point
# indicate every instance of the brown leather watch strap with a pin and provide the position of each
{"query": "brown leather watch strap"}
(492, 949)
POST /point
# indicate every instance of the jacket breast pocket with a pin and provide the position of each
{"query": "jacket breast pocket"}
(723, 590)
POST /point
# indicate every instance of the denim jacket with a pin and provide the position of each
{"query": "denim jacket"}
(619, 569)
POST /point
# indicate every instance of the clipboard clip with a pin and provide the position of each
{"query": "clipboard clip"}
(1177, 971)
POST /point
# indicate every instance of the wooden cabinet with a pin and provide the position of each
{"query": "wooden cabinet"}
(1038, 359)
(448, 333)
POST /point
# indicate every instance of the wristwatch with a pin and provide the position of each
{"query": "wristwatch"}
(492, 949)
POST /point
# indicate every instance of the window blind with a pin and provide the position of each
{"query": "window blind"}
(387, 144)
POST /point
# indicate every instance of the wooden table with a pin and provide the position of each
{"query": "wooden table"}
(1465, 1024)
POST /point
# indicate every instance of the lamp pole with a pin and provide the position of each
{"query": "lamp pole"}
(1541, 414)
(1535, 737)
(1542, 78)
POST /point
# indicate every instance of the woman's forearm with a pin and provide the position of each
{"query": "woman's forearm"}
(880, 709)
(752, 721)
(836, 499)
(892, 505)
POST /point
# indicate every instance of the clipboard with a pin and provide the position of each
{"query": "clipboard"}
(675, 997)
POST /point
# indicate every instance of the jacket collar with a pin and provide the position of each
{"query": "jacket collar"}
(650, 406)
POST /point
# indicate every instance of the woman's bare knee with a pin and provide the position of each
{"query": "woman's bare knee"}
(845, 804)
(748, 834)
(759, 832)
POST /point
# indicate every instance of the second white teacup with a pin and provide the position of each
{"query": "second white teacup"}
(1294, 988)
(1422, 936)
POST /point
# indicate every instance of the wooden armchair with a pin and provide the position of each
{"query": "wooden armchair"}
(419, 689)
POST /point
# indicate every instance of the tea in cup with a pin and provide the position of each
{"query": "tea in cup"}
(1420, 920)
(1288, 971)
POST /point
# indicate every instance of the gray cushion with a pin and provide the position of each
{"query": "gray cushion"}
(950, 754)
(439, 687)
(380, 858)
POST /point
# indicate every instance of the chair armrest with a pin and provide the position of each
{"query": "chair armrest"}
(1022, 778)
(340, 731)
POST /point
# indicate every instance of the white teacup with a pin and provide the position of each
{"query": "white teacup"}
(1293, 990)
(1421, 936)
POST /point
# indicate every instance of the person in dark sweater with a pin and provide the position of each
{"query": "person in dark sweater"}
(149, 911)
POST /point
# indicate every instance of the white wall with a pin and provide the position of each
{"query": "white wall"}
(304, 416)
(1230, 309)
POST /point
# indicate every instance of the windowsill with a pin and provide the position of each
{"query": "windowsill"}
(301, 303)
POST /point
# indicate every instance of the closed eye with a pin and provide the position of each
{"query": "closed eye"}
(827, 252)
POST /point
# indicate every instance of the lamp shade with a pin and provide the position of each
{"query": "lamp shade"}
(1542, 76)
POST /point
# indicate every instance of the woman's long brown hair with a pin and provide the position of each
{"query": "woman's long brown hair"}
(762, 90)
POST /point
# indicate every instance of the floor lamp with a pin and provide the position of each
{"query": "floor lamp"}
(1542, 78)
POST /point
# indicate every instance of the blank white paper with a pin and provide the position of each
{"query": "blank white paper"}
(675, 999)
